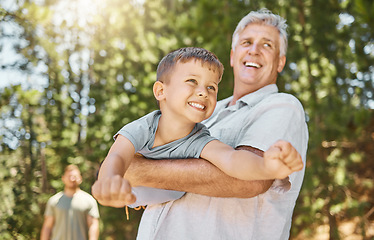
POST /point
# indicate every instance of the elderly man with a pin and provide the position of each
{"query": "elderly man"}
(255, 116)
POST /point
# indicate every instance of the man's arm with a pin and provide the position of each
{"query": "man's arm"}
(193, 175)
(279, 161)
(93, 227)
(47, 228)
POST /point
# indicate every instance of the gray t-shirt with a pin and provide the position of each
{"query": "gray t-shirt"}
(142, 132)
(70, 215)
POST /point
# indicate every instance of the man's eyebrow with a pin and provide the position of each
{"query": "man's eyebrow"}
(245, 38)
(268, 39)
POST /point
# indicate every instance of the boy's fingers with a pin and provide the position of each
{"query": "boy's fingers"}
(105, 191)
(291, 158)
(125, 193)
(124, 189)
(273, 152)
(114, 188)
(297, 163)
(130, 199)
(96, 190)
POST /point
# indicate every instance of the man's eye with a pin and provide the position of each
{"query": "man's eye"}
(267, 45)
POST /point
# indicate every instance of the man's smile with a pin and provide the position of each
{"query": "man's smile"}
(252, 64)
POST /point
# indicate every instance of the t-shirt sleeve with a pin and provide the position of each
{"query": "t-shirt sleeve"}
(94, 210)
(138, 131)
(282, 119)
(49, 209)
(197, 142)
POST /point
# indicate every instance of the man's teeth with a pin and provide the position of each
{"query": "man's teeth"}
(252, 64)
(196, 105)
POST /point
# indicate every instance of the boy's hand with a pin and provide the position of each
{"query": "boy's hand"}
(113, 191)
(282, 159)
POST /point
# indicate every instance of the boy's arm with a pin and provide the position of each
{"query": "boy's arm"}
(111, 189)
(195, 176)
(279, 161)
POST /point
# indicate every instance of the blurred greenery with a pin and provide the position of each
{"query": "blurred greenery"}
(85, 68)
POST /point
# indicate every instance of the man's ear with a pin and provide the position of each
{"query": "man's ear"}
(232, 58)
(158, 90)
(281, 63)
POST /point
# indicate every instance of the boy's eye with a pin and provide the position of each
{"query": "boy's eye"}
(211, 88)
(191, 80)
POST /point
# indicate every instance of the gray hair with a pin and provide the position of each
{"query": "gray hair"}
(263, 16)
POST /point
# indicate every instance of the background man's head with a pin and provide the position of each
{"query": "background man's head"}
(72, 177)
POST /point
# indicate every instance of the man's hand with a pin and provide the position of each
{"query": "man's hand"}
(282, 159)
(113, 191)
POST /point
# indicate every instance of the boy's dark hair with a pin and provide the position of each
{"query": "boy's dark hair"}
(186, 54)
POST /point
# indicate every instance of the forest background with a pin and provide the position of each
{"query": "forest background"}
(74, 71)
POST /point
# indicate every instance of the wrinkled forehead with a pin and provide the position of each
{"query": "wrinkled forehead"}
(260, 31)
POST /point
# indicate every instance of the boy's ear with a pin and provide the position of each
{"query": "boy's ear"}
(158, 90)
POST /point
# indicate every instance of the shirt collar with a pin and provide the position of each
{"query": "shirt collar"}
(257, 96)
(250, 99)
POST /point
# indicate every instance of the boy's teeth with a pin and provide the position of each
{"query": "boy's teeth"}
(252, 64)
(196, 105)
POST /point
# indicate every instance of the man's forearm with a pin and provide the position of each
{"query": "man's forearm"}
(93, 229)
(45, 233)
(192, 175)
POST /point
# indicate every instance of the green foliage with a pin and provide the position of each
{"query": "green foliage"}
(95, 64)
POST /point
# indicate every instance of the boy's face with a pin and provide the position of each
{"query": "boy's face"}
(190, 92)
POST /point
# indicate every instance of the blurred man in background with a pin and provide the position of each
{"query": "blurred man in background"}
(71, 214)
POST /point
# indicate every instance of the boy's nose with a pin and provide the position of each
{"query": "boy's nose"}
(202, 92)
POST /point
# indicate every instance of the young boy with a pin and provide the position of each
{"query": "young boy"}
(186, 90)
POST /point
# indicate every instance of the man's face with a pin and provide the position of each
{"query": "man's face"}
(72, 179)
(255, 59)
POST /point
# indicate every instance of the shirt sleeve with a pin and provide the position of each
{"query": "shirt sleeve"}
(281, 119)
(49, 209)
(149, 196)
(94, 211)
(139, 131)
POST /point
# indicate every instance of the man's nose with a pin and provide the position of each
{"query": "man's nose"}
(253, 48)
